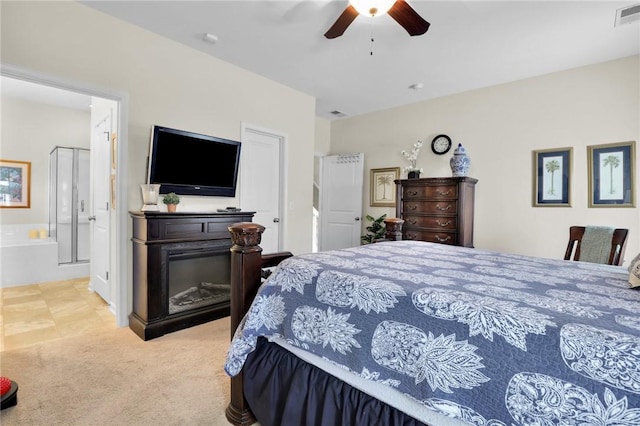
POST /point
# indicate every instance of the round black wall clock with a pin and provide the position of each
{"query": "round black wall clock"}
(441, 144)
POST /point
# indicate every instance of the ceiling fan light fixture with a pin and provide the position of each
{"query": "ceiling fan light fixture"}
(372, 7)
(398, 10)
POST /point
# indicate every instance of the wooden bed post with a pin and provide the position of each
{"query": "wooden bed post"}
(394, 228)
(246, 262)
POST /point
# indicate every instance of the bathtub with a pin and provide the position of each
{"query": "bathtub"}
(25, 260)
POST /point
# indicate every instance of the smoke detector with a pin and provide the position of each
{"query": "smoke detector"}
(210, 38)
(628, 14)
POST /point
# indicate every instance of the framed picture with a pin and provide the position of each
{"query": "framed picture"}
(612, 174)
(552, 177)
(383, 189)
(15, 181)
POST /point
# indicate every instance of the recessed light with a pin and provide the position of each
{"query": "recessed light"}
(416, 86)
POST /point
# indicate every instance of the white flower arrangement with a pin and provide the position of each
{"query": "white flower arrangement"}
(412, 158)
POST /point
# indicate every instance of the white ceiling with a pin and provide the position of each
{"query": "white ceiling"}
(43, 94)
(470, 44)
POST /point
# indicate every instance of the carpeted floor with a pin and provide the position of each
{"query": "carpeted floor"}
(115, 378)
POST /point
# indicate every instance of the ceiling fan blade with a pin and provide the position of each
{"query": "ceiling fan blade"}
(343, 21)
(408, 18)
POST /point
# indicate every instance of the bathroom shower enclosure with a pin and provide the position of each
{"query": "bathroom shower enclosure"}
(69, 189)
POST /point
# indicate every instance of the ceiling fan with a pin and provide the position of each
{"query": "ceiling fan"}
(399, 10)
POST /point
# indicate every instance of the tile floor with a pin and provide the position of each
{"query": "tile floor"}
(47, 311)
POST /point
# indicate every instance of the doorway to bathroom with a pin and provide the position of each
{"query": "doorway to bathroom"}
(113, 185)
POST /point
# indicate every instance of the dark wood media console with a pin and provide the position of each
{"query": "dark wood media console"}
(181, 269)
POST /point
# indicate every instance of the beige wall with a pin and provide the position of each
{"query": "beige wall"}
(167, 84)
(323, 136)
(322, 147)
(500, 126)
(29, 132)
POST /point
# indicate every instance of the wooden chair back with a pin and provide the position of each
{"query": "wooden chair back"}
(618, 243)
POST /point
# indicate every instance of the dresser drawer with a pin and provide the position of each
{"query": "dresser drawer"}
(436, 192)
(442, 207)
(430, 236)
(434, 222)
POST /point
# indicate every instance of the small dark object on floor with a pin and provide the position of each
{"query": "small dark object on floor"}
(9, 392)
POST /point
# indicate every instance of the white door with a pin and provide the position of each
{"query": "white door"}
(100, 207)
(341, 186)
(261, 182)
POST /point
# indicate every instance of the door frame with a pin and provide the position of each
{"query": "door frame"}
(118, 267)
(246, 128)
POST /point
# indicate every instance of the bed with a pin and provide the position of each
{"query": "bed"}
(412, 333)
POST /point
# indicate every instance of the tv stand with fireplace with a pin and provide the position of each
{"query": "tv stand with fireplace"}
(181, 269)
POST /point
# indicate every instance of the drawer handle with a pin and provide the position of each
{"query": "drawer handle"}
(444, 209)
(409, 237)
(443, 224)
(443, 240)
(442, 193)
(412, 207)
(412, 221)
(412, 192)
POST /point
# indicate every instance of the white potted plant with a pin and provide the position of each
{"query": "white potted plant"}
(413, 172)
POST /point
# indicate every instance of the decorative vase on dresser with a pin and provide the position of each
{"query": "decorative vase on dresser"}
(460, 162)
(438, 210)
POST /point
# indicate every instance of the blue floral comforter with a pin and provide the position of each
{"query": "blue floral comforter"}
(485, 337)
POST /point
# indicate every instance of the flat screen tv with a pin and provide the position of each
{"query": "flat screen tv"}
(189, 163)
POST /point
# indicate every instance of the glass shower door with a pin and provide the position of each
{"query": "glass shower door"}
(62, 202)
(69, 203)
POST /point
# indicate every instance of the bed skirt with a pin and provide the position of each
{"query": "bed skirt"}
(276, 387)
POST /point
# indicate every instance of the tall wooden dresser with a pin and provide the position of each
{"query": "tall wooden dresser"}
(438, 210)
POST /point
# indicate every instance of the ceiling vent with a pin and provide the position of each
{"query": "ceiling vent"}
(628, 14)
(337, 113)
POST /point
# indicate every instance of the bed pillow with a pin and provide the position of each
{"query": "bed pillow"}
(634, 272)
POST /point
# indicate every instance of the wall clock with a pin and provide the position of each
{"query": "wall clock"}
(441, 144)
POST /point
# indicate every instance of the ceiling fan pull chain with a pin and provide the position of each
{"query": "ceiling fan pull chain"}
(371, 48)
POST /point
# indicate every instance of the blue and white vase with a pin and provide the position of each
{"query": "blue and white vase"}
(460, 162)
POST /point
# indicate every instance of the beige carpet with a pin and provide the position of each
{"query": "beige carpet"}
(115, 378)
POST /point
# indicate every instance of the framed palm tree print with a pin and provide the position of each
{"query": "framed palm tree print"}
(383, 187)
(552, 177)
(612, 175)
